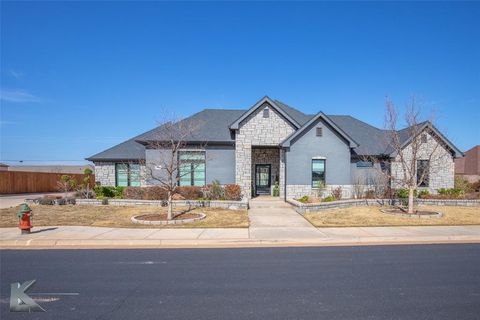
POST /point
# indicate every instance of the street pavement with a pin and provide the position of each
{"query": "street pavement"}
(363, 282)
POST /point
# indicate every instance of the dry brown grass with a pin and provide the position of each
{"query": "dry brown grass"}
(373, 217)
(116, 216)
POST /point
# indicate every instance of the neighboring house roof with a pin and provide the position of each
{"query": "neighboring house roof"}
(320, 115)
(51, 168)
(470, 163)
(215, 127)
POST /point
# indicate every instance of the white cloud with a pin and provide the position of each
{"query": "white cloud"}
(18, 96)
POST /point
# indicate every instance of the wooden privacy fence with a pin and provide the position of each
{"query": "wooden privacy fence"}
(26, 182)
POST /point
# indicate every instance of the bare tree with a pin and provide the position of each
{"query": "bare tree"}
(170, 140)
(416, 151)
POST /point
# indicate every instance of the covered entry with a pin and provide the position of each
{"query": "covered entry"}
(265, 169)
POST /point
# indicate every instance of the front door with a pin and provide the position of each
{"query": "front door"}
(262, 179)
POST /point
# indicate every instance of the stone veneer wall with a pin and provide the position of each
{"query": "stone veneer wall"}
(267, 156)
(297, 191)
(256, 130)
(105, 173)
(442, 165)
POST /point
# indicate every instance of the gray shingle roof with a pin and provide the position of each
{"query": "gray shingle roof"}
(212, 125)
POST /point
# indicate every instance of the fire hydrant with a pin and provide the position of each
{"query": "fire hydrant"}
(24, 215)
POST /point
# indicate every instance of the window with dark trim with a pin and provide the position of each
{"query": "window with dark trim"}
(127, 174)
(319, 131)
(191, 168)
(318, 173)
(266, 113)
(423, 167)
(364, 164)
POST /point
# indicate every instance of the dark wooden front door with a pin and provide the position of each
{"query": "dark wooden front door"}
(262, 178)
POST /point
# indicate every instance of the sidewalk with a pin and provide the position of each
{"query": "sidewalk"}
(95, 237)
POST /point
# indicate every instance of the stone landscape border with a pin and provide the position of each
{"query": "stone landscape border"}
(432, 215)
(223, 204)
(312, 207)
(168, 222)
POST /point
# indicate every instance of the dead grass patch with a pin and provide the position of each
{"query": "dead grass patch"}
(119, 216)
(371, 216)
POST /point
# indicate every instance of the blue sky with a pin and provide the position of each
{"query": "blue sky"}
(77, 78)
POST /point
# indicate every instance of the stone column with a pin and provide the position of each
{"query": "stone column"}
(243, 164)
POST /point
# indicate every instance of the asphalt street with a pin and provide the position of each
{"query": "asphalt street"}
(375, 282)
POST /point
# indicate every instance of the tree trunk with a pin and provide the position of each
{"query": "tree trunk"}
(410, 200)
(170, 204)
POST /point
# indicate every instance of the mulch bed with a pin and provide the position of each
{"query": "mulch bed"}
(163, 217)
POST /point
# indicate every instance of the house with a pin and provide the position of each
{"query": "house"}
(271, 144)
(469, 165)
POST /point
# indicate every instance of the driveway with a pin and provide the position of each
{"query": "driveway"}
(13, 200)
(271, 218)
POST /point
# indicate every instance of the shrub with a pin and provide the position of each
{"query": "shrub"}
(452, 192)
(118, 192)
(424, 194)
(214, 191)
(46, 201)
(304, 199)
(462, 183)
(403, 193)
(190, 192)
(233, 192)
(104, 191)
(64, 201)
(328, 199)
(475, 186)
(370, 194)
(276, 189)
(145, 193)
(337, 193)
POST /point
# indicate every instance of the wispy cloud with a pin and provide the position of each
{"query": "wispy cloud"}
(18, 96)
(17, 75)
(6, 122)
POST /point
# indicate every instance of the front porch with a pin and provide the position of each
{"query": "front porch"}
(265, 172)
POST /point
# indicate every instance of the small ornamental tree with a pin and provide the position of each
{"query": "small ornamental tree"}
(66, 184)
(84, 187)
(168, 141)
(414, 153)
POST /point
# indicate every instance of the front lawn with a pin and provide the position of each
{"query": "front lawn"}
(119, 216)
(371, 216)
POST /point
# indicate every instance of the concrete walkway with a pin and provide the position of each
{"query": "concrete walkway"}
(274, 219)
(97, 237)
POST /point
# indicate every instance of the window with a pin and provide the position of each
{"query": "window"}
(192, 168)
(127, 174)
(423, 138)
(266, 113)
(319, 132)
(423, 167)
(364, 164)
(318, 173)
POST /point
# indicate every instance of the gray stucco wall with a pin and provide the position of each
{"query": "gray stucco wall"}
(331, 146)
(220, 163)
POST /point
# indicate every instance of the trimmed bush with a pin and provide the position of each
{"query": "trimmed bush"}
(104, 191)
(303, 199)
(214, 191)
(190, 192)
(328, 199)
(423, 194)
(145, 193)
(232, 192)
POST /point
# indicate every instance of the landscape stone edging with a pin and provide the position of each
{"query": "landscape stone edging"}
(433, 214)
(224, 204)
(168, 222)
(311, 207)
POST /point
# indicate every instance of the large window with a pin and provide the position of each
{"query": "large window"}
(364, 164)
(423, 166)
(192, 168)
(127, 174)
(318, 173)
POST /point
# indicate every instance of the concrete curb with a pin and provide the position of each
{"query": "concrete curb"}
(228, 243)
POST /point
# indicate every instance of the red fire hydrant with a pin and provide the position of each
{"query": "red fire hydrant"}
(24, 216)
